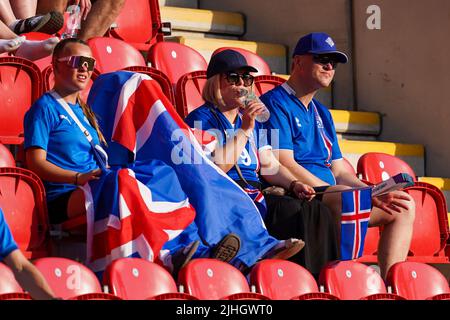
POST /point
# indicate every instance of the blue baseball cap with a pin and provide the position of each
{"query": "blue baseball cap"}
(319, 43)
(225, 61)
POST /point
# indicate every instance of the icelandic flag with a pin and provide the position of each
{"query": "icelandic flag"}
(141, 125)
(356, 208)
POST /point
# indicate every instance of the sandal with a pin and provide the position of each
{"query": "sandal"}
(227, 248)
(285, 249)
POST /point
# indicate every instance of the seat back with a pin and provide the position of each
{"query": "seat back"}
(137, 279)
(20, 86)
(138, 23)
(68, 278)
(114, 54)
(49, 81)
(6, 157)
(159, 77)
(430, 230)
(281, 279)
(175, 60)
(350, 280)
(8, 283)
(210, 279)
(416, 281)
(376, 167)
(264, 83)
(22, 198)
(189, 92)
(252, 60)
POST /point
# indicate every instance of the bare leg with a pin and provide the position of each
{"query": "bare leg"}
(24, 8)
(5, 32)
(45, 6)
(100, 18)
(396, 236)
(6, 13)
(76, 206)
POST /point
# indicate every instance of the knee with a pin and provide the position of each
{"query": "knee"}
(408, 213)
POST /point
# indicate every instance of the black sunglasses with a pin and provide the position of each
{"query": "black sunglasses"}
(233, 78)
(324, 59)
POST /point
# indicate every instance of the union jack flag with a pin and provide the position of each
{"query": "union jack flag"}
(356, 208)
(147, 140)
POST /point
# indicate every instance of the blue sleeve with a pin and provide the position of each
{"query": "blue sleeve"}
(278, 126)
(204, 120)
(37, 126)
(7, 243)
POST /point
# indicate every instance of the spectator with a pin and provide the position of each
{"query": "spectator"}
(242, 151)
(97, 17)
(304, 125)
(29, 278)
(27, 21)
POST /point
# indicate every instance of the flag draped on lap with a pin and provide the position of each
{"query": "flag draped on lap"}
(142, 125)
(356, 208)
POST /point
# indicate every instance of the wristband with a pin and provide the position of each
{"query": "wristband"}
(291, 186)
(76, 178)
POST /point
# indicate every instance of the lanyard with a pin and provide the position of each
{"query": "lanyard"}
(327, 142)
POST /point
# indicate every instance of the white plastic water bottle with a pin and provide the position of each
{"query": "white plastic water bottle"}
(73, 22)
(248, 97)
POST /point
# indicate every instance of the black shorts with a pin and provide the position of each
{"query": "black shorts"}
(57, 208)
(320, 189)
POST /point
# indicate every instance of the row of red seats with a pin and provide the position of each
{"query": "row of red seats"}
(208, 279)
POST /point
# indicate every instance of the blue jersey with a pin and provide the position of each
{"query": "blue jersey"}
(248, 161)
(7, 243)
(308, 132)
(48, 126)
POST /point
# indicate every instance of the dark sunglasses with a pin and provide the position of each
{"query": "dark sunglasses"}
(77, 62)
(233, 78)
(325, 59)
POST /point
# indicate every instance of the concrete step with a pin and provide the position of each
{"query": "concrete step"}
(273, 54)
(179, 3)
(204, 21)
(356, 122)
(413, 154)
(193, 34)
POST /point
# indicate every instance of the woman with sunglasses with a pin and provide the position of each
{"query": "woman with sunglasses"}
(244, 154)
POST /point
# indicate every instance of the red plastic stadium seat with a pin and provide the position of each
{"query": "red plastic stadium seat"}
(49, 80)
(175, 60)
(252, 59)
(139, 279)
(8, 283)
(350, 280)
(22, 198)
(114, 54)
(284, 280)
(210, 279)
(159, 77)
(376, 167)
(38, 36)
(371, 245)
(96, 296)
(139, 24)
(20, 86)
(68, 278)
(417, 281)
(189, 92)
(430, 230)
(6, 157)
(264, 83)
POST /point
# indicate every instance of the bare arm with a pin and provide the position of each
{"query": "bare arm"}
(28, 276)
(343, 176)
(37, 162)
(278, 175)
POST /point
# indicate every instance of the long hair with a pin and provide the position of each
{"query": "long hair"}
(87, 110)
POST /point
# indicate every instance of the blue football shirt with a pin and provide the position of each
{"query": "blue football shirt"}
(248, 161)
(7, 243)
(48, 126)
(294, 127)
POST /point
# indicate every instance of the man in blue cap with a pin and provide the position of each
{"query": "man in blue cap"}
(308, 145)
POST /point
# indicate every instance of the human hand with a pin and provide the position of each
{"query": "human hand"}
(392, 202)
(249, 114)
(303, 191)
(84, 178)
(85, 7)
